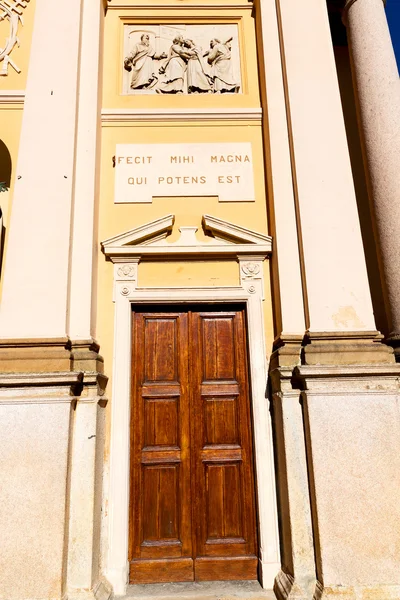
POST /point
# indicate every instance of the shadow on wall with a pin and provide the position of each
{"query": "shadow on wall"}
(5, 181)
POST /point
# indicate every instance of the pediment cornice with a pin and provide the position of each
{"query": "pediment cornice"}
(223, 238)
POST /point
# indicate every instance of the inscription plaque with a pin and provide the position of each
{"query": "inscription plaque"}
(145, 171)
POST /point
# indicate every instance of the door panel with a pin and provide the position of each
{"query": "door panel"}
(224, 514)
(161, 542)
(192, 487)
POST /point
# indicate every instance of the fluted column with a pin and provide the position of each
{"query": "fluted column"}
(377, 84)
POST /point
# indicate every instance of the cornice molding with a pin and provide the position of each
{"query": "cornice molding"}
(158, 229)
(134, 115)
(12, 96)
(188, 7)
(149, 240)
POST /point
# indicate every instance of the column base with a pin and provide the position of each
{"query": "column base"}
(118, 578)
(360, 592)
(101, 591)
(345, 348)
(393, 340)
(268, 571)
(287, 587)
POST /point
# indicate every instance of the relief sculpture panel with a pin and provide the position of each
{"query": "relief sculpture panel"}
(181, 59)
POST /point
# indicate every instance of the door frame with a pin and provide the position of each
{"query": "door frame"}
(118, 500)
(249, 255)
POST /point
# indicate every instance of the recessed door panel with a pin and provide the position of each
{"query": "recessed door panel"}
(160, 524)
(224, 515)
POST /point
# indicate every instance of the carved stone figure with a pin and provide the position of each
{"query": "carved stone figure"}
(186, 68)
(198, 81)
(219, 57)
(174, 69)
(140, 62)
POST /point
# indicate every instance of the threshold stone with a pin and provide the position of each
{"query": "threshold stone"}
(202, 590)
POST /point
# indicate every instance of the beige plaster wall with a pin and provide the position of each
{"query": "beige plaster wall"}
(33, 466)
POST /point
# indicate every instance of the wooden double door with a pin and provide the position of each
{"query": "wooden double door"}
(192, 510)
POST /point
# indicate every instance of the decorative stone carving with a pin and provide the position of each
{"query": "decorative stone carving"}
(126, 272)
(251, 272)
(12, 11)
(251, 269)
(181, 59)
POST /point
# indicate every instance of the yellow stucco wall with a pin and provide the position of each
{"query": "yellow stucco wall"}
(11, 112)
(10, 128)
(117, 218)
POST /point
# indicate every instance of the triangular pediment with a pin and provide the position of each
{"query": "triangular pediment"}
(223, 238)
(224, 230)
(145, 234)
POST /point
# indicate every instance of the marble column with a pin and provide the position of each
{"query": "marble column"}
(377, 85)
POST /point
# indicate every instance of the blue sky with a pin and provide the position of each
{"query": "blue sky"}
(393, 17)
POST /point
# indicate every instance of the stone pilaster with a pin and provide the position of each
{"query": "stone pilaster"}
(377, 85)
(335, 282)
(47, 318)
(296, 579)
(352, 434)
(38, 247)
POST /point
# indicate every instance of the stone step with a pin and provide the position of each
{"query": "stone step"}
(204, 590)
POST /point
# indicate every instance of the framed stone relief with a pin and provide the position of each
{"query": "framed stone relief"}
(181, 59)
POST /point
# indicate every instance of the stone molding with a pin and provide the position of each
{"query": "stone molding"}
(345, 347)
(43, 388)
(155, 230)
(176, 115)
(286, 586)
(349, 379)
(119, 5)
(149, 240)
(12, 97)
(38, 361)
(47, 388)
(35, 355)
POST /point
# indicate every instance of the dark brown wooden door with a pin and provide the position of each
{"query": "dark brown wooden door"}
(192, 485)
